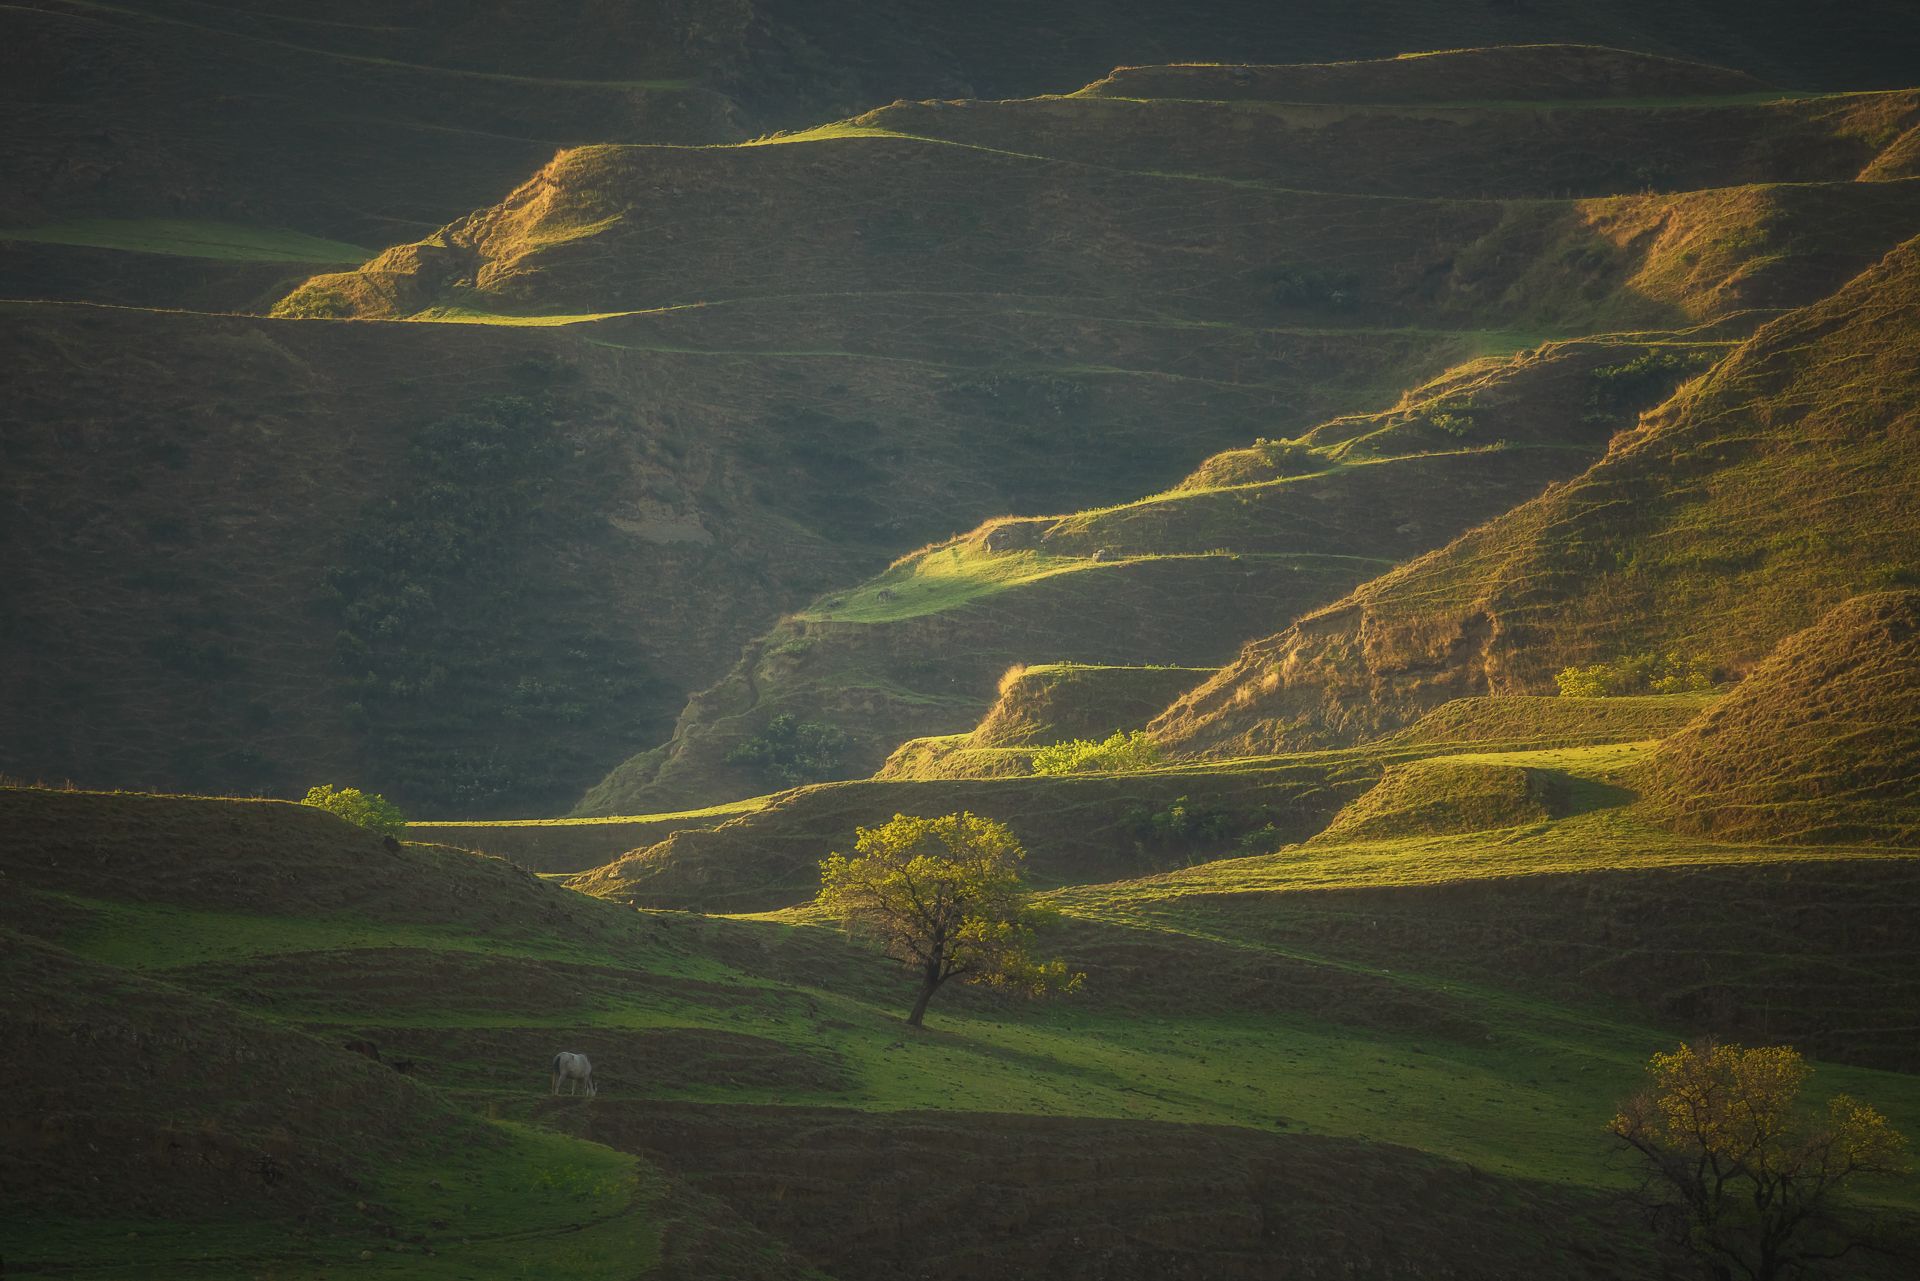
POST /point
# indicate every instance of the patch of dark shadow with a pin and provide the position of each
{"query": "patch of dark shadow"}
(949, 1195)
(44, 916)
(407, 982)
(625, 1060)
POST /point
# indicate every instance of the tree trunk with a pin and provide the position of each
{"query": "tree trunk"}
(929, 983)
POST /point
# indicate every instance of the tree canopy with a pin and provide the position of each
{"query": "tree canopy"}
(1737, 1171)
(364, 809)
(945, 898)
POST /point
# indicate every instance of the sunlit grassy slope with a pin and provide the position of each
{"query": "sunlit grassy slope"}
(1821, 743)
(1177, 578)
(1761, 495)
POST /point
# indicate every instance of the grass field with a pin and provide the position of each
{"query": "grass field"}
(1512, 1084)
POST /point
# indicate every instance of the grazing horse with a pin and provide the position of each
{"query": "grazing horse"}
(573, 1069)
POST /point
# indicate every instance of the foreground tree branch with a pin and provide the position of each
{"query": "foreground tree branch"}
(1737, 1172)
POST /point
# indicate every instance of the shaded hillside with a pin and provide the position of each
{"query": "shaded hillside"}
(1463, 141)
(157, 1132)
(1270, 531)
(941, 1195)
(1762, 494)
(484, 631)
(465, 96)
(1004, 49)
(865, 210)
(222, 512)
(379, 123)
(1260, 533)
(1821, 743)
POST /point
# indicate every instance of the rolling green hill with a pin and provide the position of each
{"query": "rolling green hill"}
(1345, 1023)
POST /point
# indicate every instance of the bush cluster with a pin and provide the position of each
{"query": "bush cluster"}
(1183, 822)
(1668, 673)
(1118, 752)
(792, 752)
(1647, 379)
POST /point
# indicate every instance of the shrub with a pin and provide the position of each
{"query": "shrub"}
(1453, 416)
(1118, 752)
(1668, 673)
(1287, 457)
(1183, 822)
(363, 809)
(792, 752)
(1617, 390)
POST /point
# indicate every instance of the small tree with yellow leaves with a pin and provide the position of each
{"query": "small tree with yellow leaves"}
(944, 897)
(1737, 1172)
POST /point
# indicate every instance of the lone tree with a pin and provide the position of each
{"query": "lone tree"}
(1736, 1171)
(945, 899)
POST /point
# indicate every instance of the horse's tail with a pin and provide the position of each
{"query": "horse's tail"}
(556, 1063)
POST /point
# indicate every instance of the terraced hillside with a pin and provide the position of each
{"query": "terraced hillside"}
(1822, 742)
(1762, 494)
(203, 619)
(467, 97)
(1259, 533)
(1277, 530)
(1088, 331)
(461, 104)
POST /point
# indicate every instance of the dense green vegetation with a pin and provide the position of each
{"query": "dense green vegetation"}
(790, 752)
(1119, 751)
(1668, 673)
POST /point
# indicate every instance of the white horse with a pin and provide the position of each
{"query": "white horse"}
(573, 1069)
